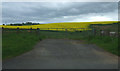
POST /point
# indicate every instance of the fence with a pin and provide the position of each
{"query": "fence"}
(93, 31)
(50, 29)
(106, 33)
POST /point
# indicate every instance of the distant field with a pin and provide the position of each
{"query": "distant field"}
(70, 26)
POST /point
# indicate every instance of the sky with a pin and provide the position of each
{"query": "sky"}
(50, 12)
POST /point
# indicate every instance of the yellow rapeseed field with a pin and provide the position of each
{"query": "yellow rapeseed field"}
(70, 26)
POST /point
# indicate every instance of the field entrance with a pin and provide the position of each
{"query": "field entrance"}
(63, 54)
(52, 49)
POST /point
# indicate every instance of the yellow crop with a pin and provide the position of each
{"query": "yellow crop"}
(69, 26)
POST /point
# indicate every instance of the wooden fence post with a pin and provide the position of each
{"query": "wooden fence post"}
(62, 29)
(2, 29)
(57, 29)
(17, 29)
(66, 30)
(108, 33)
(117, 34)
(38, 30)
(31, 29)
(100, 32)
(94, 31)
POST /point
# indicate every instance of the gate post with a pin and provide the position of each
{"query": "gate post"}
(31, 29)
(66, 30)
(94, 31)
(38, 30)
(17, 29)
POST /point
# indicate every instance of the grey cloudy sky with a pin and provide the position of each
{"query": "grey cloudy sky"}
(47, 12)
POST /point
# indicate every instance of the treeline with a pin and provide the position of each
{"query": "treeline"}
(21, 24)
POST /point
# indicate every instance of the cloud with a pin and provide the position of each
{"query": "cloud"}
(110, 16)
(13, 12)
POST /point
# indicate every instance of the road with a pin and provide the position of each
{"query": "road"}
(63, 54)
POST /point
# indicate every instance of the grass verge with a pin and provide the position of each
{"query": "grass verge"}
(109, 44)
(14, 44)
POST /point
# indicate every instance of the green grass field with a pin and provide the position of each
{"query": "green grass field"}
(14, 44)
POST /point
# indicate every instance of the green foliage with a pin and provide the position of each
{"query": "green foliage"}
(22, 24)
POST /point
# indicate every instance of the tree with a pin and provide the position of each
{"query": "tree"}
(11, 24)
(23, 23)
(28, 23)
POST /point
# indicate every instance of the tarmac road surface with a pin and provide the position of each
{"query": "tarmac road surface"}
(63, 54)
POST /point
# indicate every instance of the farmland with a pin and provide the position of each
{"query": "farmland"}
(17, 42)
(70, 26)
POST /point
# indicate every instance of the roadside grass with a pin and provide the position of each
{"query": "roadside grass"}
(109, 44)
(14, 44)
